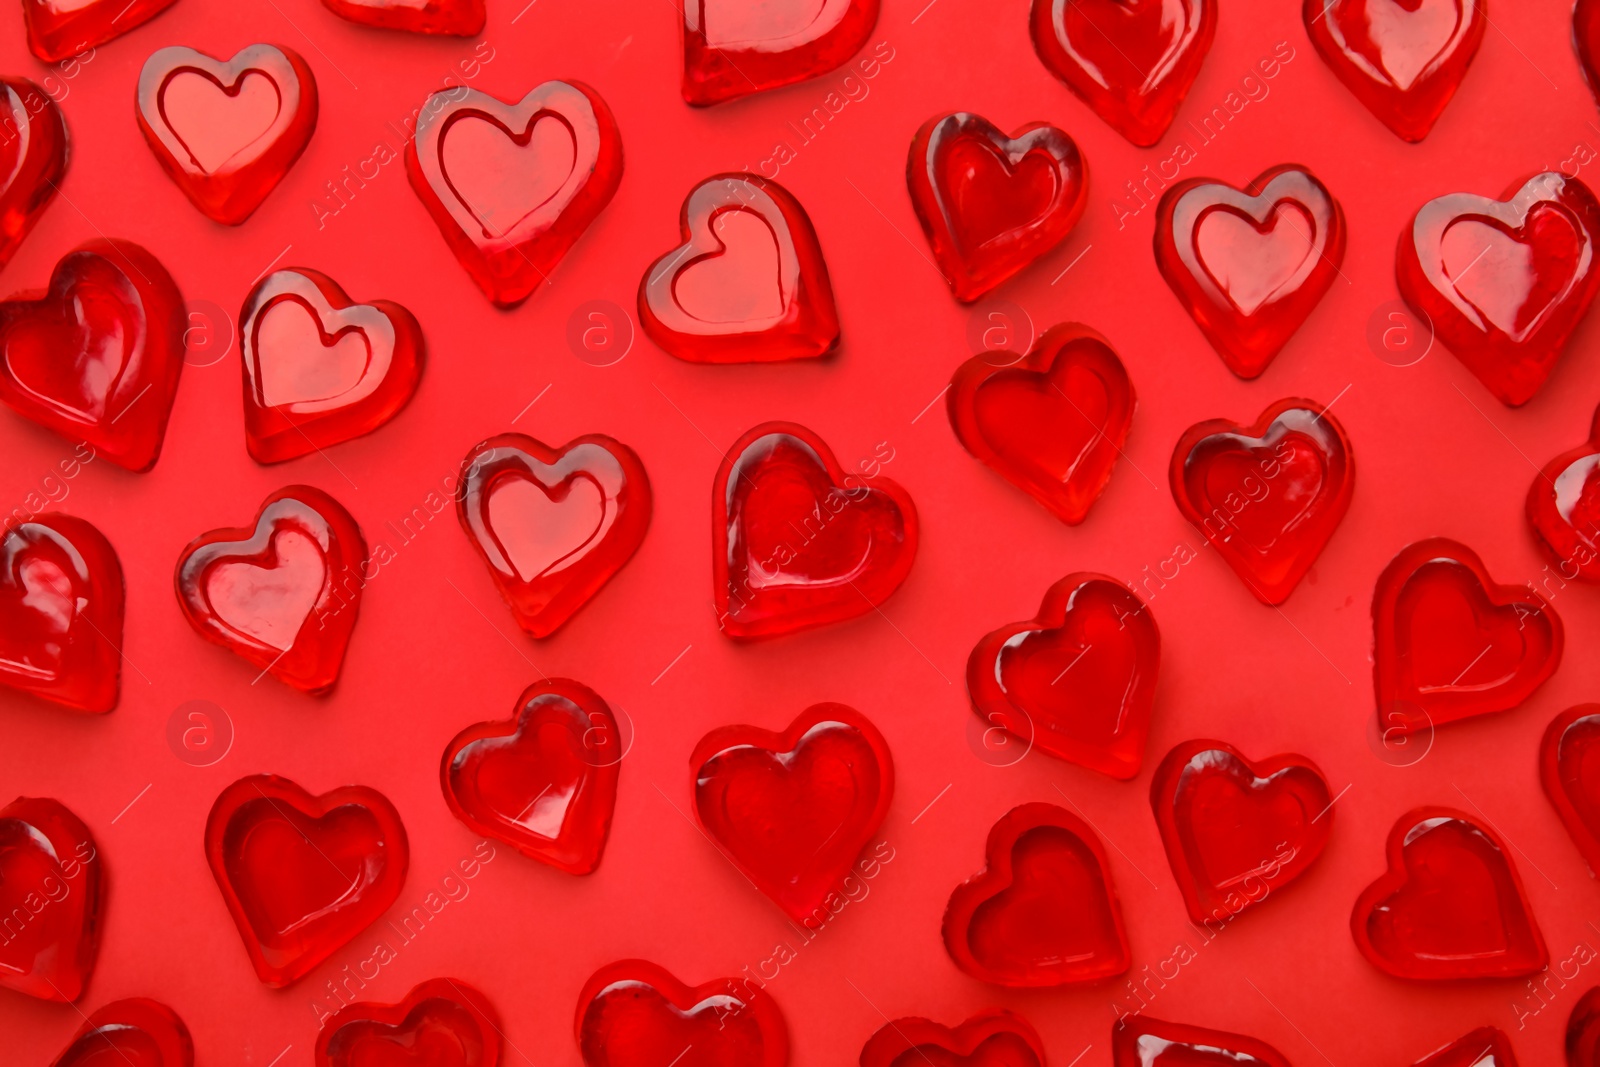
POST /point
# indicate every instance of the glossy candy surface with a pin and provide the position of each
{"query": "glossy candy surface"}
(732, 48)
(53, 877)
(748, 285)
(1569, 769)
(302, 875)
(456, 18)
(60, 29)
(1563, 509)
(1583, 1031)
(130, 1033)
(994, 1038)
(33, 159)
(283, 595)
(634, 1014)
(1145, 1042)
(443, 1022)
(1486, 1046)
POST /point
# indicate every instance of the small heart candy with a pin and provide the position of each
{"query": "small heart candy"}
(732, 48)
(61, 29)
(52, 892)
(130, 1033)
(1564, 509)
(441, 1023)
(455, 18)
(1140, 1041)
(33, 159)
(994, 1038)
(1486, 1046)
(1583, 1031)
(1586, 39)
(1569, 769)
(634, 1014)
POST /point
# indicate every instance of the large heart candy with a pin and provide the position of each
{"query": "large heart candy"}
(1043, 911)
(632, 1013)
(455, 18)
(443, 1022)
(1237, 831)
(1449, 644)
(797, 543)
(794, 809)
(544, 782)
(61, 29)
(1450, 906)
(553, 525)
(1267, 497)
(1403, 59)
(994, 1038)
(1078, 680)
(1131, 61)
(96, 357)
(513, 186)
(992, 204)
(300, 874)
(1569, 769)
(1486, 1046)
(61, 603)
(52, 894)
(1564, 509)
(1140, 1041)
(283, 595)
(33, 159)
(1583, 1031)
(1051, 423)
(319, 369)
(732, 48)
(748, 285)
(1504, 283)
(1249, 265)
(130, 1033)
(227, 132)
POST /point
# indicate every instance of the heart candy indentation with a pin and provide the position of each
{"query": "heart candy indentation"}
(52, 892)
(994, 1038)
(633, 1013)
(443, 1022)
(130, 1033)
(732, 49)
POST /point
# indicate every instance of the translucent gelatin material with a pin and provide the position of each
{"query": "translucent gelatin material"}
(1450, 906)
(61, 607)
(1237, 831)
(1053, 422)
(1586, 39)
(1078, 680)
(1250, 265)
(1564, 509)
(634, 1014)
(1486, 1046)
(1043, 912)
(48, 855)
(1131, 61)
(1268, 497)
(748, 285)
(545, 781)
(302, 875)
(732, 48)
(130, 1033)
(553, 525)
(61, 29)
(33, 159)
(283, 595)
(454, 18)
(1140, 1041)
(227, 132)
(443, 1022)
(797, 542)
(1403, 59)
(993, 1038)
(1505, 282)
(319, 369)
(1583, 1031)
(1569, 769)
(96, 357)
(991, 204)
(1449, 644)
(513, 186)
(794, 810)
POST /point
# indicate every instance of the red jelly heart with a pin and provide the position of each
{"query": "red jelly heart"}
(96, 357)
(318, 369)
(553, 525)
(1403, 59)
(1586, 38)
(1569, 768)
(1132, 61)
(544, 782)
(1504, 283)
(1236, 831)
(283, 595)
(61, 598)
(994, 1038)
(1249, 265)
(1583, 1031)
(1077, 680)
(130, 1033)
(992, 204)
(1140, 1041)
(227, 132)
(52, 893)
(1486, 1046)
(33, 159)
(634, 1014)
(1268, 496)
(456, 18)
(794, 809)
(301, 874)
(1043, 912)
(748, 285)
(513, 186)
(797, 543)
(1449, 906)
(1052, 422)
(1449, 644)
(732, 48)
(61, 29)
(1564, 509)
(442, 1023)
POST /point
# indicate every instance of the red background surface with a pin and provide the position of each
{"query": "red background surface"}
(435, 649)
